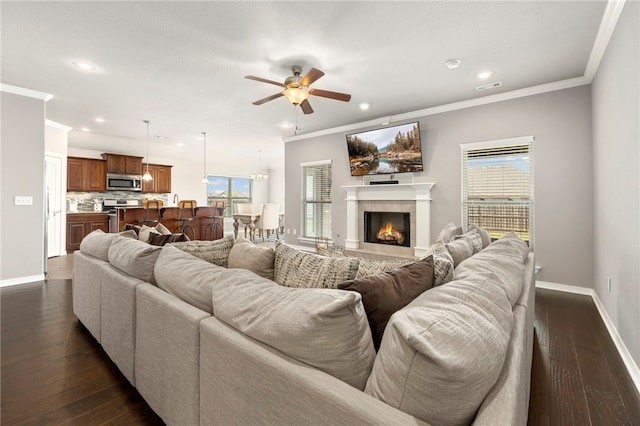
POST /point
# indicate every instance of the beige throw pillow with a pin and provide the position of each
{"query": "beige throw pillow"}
(145, 233)
(246, 255)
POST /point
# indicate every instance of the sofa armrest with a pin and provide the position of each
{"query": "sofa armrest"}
(243, 381)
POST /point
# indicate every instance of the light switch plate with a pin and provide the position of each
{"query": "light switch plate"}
(23, 200)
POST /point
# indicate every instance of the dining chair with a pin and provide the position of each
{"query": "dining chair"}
(269, 220)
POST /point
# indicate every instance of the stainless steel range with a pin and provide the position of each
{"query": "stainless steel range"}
(110, 204)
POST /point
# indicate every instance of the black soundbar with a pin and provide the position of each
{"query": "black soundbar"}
(382, 182)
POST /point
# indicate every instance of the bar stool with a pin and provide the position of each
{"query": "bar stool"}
(187, 209)
(152, 214)
(213, 226)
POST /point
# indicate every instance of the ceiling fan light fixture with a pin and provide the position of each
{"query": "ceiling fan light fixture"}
(296, 95)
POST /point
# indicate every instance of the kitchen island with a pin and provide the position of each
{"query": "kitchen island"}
(168, 217)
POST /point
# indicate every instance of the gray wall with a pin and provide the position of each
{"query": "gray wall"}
(22, 159)
(616, 147)
(561, 124)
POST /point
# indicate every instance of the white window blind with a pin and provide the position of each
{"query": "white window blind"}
(497, 187)
(316, 187)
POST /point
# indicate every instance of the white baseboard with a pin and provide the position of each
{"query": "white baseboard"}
(21, 280)
(628, 360)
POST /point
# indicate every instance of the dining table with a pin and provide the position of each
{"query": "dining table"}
(248, 220)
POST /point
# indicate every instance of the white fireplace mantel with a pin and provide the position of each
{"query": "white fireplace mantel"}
(418, 192)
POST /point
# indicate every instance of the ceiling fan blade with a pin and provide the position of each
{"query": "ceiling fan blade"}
(267, 99)
(306, 107)
(311, 76)
(331, 95)
(264, 80)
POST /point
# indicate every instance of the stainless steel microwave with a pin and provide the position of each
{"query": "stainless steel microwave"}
(118, 182)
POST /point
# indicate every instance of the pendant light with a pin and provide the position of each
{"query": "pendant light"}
(258, 176)
(147, 176)
(204, 162)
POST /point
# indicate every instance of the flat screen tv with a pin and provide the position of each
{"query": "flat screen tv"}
(394, 149)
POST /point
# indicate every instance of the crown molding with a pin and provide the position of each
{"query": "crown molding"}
(605, 31)
(513, 94)
(58, 125)
(25, 92)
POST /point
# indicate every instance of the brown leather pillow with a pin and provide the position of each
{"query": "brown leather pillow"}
(385, 293)
(160, 240)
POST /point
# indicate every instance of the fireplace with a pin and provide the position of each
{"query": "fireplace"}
(391, 228)
(412, 199)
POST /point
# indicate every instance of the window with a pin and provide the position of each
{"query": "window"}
(316, 199)
(229, 190)
(497, 186)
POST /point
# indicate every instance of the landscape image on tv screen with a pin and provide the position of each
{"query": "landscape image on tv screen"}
(382, 151)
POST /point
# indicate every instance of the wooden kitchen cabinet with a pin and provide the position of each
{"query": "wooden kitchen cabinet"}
(161, 182)
(86, 175)
(123, 164)
(81, 224)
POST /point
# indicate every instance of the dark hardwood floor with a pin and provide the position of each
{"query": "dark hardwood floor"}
(578, 377)
(54, 372)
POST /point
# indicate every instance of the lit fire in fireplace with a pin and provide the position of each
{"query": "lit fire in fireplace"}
(390, 235)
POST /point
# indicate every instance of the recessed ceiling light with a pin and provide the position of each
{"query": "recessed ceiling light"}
(85, 129)
(100, 119)
(364, 106)
(285, 125)
(452, 64)
(85, 66)
(179, 144)
(484, 74)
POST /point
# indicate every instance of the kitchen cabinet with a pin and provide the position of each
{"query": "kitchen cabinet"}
(123, 164)
(81, 224)
(86, 175)
(161, 182)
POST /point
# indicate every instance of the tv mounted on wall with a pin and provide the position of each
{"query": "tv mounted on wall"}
(394, 149)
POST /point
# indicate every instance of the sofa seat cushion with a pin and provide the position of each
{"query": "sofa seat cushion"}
(442, 353)
(296, 268)
(216, 252)
(246, 255)
(97, 244)
(187, 277)
(504, 257)
(324, 328)
(134, 258)
(385, 293)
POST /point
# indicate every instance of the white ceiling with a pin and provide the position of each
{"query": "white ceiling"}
(182, 64)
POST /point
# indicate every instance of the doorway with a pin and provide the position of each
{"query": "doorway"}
(53, 205)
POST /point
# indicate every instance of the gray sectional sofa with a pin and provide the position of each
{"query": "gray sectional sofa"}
(237, 339)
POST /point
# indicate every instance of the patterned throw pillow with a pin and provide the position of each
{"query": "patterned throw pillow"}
(373, 267)
(295, 268)
(442, 263)
(473, 237)
(216, 252)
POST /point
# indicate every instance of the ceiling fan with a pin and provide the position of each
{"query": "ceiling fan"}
(297, 90)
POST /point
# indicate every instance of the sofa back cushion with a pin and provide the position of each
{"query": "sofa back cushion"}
(442, 353)
(216, 252)
(385, 293)
(97, 244)
(296, 268)
(324, 328)
(504, 257)
(246, 255)
(134, 258)
(187, 277)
